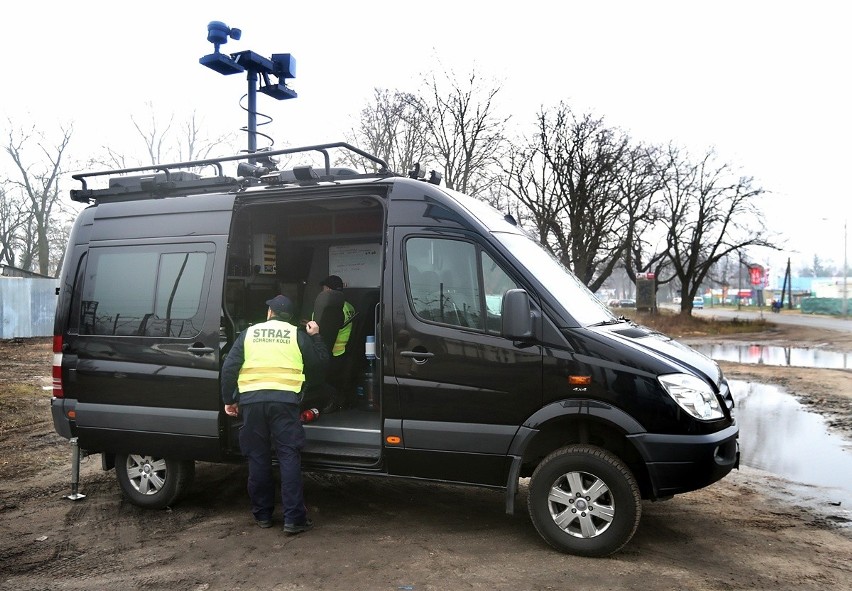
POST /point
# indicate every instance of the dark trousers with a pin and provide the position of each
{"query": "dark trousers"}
(330, 388)
(268, 426)
(339, 380)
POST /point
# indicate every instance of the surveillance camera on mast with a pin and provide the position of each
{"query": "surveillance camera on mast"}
(217, 34)
(272, 73)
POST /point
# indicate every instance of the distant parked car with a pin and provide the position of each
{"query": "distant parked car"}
(698, 303)
(676, 300)
(627, 303)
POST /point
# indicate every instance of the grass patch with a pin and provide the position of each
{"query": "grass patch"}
(676, 325)
(20, 405)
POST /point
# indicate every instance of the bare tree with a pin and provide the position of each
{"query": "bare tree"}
(587, 192)
(465, 133)
(586, 158)
(710, 212)
(195, 143)
(390, 128)
(640, 178)
(165, 141)
(726, 273)
(13, 217)
(28, 243)
(529, 181)
(39, 183)
(154, 133)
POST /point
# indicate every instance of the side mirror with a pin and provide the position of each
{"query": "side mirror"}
(517, 316)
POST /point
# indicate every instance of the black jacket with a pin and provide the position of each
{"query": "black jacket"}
(328, 313)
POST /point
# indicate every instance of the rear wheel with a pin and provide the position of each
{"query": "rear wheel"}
(153, 482)
(584, 500)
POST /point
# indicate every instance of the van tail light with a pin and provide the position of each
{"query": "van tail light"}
(58, 392)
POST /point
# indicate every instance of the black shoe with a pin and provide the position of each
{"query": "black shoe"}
(292, 528)
(264, 523)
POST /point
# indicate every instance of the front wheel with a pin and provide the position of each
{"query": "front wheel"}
(584, 500)
(153, 482)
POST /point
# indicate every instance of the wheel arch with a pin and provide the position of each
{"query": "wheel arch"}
(590, 422)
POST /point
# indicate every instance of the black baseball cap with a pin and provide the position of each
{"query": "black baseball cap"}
(280, 304)
(333, 281)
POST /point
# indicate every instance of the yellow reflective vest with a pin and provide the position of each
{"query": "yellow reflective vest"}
(272, 359)
(343, 334)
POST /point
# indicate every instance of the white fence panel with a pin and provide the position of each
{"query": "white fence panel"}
(27, 307)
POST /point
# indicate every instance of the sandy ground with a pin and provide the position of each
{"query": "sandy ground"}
(745, 532)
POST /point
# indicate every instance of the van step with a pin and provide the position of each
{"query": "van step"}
(337, 454)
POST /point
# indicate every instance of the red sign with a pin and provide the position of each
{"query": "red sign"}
(755, 273)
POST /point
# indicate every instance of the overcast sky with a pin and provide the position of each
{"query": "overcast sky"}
(764, 82)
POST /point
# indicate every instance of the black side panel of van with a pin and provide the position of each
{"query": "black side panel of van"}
(462, 389)
(141, 354)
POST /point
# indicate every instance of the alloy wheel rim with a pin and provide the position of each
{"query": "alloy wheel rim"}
(581, 504)
(147, 474)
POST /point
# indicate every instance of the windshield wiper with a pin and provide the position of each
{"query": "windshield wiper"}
(618, 320)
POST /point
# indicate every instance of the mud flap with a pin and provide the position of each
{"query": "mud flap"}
(512, 484)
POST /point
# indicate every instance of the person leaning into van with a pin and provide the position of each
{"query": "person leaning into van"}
(334, 315)
(262, 379)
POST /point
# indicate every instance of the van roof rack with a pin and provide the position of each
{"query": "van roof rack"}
(163, 180)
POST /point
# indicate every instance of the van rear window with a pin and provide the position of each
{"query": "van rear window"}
(144, 291)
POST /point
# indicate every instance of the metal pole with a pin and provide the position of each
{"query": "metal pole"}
(845, 274)
(740, 278)
(75, 472)
(252, 113)
(788, 285)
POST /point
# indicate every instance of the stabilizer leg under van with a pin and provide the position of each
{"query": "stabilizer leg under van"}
(75, 495)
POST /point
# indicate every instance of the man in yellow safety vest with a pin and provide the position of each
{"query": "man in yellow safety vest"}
(262, 379)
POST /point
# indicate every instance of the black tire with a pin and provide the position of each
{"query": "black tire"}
(584, 500)
(152, 482)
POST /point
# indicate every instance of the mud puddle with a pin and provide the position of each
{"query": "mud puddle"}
(781, 436)
(775, 355)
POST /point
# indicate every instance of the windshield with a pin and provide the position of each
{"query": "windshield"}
(568, 291)
(574, 297)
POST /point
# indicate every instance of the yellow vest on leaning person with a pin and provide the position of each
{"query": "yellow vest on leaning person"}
(343, 334)
(272, 359)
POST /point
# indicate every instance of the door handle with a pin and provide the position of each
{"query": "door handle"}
(417, 354)
(199, 349)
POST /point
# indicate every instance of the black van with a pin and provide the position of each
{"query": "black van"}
(492, 362)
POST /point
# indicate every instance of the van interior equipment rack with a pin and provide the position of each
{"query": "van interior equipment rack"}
(168, 180)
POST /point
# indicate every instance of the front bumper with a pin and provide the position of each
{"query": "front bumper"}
(681, 463)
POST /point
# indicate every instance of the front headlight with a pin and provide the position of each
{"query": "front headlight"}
(693, 395)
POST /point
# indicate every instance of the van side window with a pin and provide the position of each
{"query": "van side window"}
(496, 283)
(76, 295)
(443, 281)
(143, 292)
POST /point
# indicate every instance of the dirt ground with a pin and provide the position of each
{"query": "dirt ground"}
(740, 533)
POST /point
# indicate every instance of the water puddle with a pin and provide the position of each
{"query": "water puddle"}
(779, 435)
(774, 355)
